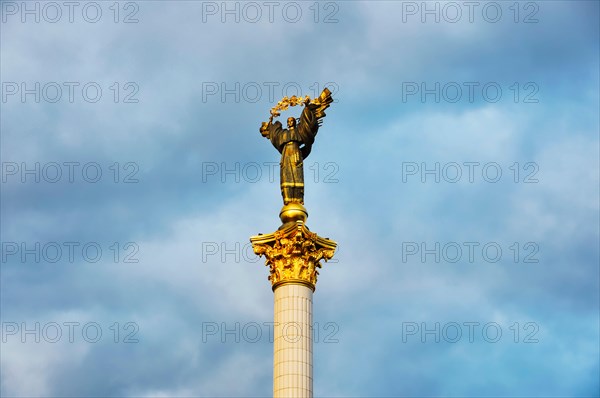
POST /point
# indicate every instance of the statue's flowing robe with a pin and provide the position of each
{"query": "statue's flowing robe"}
(295, 145)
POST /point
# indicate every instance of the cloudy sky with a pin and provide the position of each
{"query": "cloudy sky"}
(457, 170)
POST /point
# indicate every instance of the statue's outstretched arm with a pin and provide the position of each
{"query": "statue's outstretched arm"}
(265, 129)
(272, 132)
(313, 113)
(311, 119)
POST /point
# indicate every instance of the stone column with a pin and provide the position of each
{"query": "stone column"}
(293, 254)
(292, 365)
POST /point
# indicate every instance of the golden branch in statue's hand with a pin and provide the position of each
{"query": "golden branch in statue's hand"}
(286, 102)
(320, 104)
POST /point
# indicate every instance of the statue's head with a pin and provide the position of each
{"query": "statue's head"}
(291, 122)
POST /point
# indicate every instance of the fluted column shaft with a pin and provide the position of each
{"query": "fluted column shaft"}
(292, 370)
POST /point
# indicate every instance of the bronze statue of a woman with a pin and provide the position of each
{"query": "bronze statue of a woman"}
(295, 142)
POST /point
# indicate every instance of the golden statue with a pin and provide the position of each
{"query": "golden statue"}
(295, 142)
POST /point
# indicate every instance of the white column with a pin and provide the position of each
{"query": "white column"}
(292, 364)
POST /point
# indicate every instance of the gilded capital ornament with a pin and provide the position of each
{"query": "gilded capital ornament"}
(293, 254)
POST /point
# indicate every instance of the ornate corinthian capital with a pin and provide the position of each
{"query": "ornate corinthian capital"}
(293, 254)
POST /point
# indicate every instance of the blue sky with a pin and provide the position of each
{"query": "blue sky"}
(147, 179)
